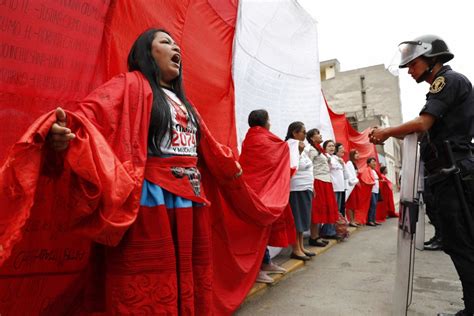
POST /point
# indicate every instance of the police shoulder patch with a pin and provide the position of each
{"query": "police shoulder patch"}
(438, 85)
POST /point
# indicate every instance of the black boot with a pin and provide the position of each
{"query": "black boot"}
(429, 242)
(435, 245)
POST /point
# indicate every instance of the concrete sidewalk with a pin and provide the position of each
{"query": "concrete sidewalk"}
(356, 277)
(292, 265)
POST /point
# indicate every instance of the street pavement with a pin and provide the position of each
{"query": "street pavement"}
(356, 277)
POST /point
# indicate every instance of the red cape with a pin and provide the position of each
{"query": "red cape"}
(49, 218)
(265, 160)
(386, 207)
(366, 182)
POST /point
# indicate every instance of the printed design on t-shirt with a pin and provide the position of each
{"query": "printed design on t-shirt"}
(438, 85)
(183, 133)
(181, 115)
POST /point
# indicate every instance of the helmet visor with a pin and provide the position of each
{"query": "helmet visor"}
(411, 50)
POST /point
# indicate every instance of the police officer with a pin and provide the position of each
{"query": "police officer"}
(448, 115)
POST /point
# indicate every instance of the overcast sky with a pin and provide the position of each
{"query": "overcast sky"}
(365, 33)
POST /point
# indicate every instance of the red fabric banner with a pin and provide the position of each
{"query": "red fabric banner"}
(55, 52)
(352, 139)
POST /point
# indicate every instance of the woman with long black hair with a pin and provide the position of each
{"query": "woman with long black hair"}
(161, 261)
(353, 187)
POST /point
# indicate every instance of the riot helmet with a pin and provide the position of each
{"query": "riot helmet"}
(430, 46)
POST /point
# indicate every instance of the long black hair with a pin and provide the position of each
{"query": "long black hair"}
(294, 127)
(352, 158)
(140, 59)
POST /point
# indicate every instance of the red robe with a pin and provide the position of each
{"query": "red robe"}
(386, 207)
(55, 211)
(366, 182)
(265, 160)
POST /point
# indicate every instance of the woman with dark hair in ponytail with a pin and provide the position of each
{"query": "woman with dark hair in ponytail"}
(301, 188)
(139, 189)
(324, 208)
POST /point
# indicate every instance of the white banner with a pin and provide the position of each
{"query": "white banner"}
(276, 67)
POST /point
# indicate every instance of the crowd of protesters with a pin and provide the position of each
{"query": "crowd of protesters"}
(326, 191)
(136, 208)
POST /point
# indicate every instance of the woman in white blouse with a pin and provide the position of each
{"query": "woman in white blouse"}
(339, 176)
(301, 188)
(372, 163)
(352, 190)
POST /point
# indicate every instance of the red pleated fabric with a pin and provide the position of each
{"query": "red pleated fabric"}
(324, 208)
(162, 265)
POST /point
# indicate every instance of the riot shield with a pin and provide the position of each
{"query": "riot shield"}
(409, 204)
(420, 225)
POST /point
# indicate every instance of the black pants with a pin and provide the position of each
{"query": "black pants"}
(457, 242)
(431, 210)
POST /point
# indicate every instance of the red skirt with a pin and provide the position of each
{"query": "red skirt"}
(163, 263)
(353, 202)
(325, 208)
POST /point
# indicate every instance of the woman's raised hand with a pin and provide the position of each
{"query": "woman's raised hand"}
(59, 134)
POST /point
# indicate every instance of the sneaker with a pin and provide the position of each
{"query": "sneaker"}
(263, 277)
(272, 268)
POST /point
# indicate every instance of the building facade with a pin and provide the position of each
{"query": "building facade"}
(369, 97)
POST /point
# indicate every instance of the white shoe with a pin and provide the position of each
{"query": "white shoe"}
(273, 268)
(264, 278)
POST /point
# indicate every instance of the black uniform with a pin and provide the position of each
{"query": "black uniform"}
(451, 101)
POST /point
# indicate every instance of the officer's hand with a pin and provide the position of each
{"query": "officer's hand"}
(377, 135)
(59, 135)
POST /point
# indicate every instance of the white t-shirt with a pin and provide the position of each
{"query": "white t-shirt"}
(302, 180)
(375, 188)
(183, 139)
(337, 174)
